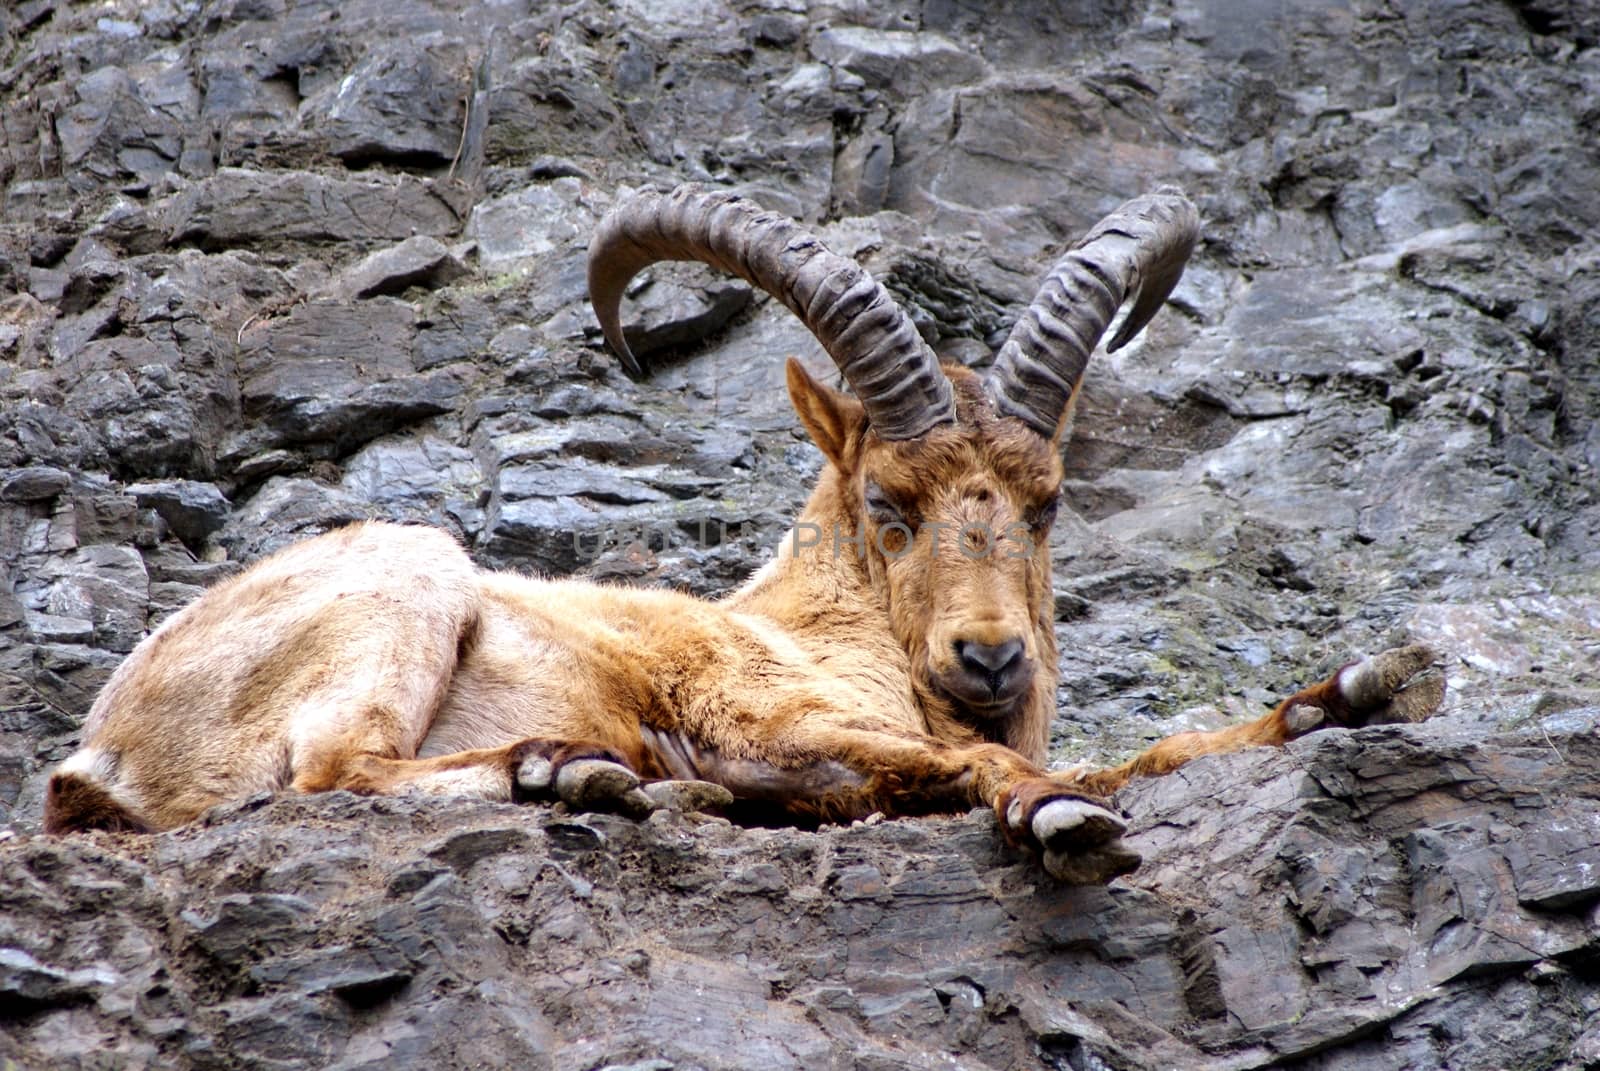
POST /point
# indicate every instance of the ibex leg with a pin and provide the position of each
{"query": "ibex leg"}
(830, 772)
(1399, 685)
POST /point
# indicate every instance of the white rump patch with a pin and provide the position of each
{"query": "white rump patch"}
(93, 763)
(103, 768)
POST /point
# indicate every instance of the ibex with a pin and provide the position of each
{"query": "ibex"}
(897, 654)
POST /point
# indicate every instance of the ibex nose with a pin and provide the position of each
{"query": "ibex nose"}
(987, 657)
(993, 672)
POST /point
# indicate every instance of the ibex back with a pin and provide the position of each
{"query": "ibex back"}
(897, 654)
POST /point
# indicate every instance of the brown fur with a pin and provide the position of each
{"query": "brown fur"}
(75, 803)
(1270, 731)
(376, 658)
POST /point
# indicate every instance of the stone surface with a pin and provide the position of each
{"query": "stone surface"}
(420, 261)
(1293, 906)
(191, 510)
(268, 268)
(239, 207)
(404, 103)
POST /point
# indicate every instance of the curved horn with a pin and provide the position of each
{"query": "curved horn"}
(1140, 248)
(892, 371)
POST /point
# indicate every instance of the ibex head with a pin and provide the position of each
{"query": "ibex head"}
(944, 484)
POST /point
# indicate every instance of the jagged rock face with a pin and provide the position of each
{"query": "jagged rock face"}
(1388, 899)
(266, 268)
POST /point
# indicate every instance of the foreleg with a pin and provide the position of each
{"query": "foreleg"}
(1401, 684)
(837, 770)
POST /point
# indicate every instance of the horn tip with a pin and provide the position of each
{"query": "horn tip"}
(630, 364)
(1124, 335)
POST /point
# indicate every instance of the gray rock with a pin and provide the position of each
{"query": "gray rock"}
(460, 851)
(424, 479)
(667, 308)
(112, 132)
(551, 534)
(546, 95)
(57, 628)
(419, 261)
(338, 374)
(532, 222)
(284, 509)
(104, 585)
(33, 484)
(904, 60)
(1368, 415)
(361, 976)
(243, 926)
(26, 985)
(236, 207)
(192, 510)
(404, 103)
(862, 171)
(1347, 836)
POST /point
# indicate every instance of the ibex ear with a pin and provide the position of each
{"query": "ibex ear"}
(834, 419)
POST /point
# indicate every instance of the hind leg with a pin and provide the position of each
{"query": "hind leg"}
(344, 643)
(584, 776)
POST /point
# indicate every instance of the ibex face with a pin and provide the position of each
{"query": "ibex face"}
(953, 529)
(970, 594)
(943, 483)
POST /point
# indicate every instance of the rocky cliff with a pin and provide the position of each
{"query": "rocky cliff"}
(267, 267)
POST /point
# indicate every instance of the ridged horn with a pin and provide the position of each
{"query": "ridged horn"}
(1141, 249)
(872, 340)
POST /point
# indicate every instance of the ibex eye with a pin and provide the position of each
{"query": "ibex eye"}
(880, 506)
(1044, 516)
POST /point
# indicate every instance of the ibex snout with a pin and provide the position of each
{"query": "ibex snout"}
(988, 677)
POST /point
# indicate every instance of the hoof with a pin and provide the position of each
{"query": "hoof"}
(585, 777)
(601, 785)
(1079, 842)
(1094, 867)
(1066, 825)
(689, 796)
(1304, 718)
(1402, 684)
(535, 775)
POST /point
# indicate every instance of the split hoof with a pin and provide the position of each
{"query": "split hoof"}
(1065, 825)
(1079, 842)
(582, 776)
(689, 796)
(601, 785)
(1402, 684)
(1096, 867)
(535, 774)
(1303, 719)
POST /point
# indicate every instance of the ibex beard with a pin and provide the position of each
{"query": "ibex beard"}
(912, 670)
